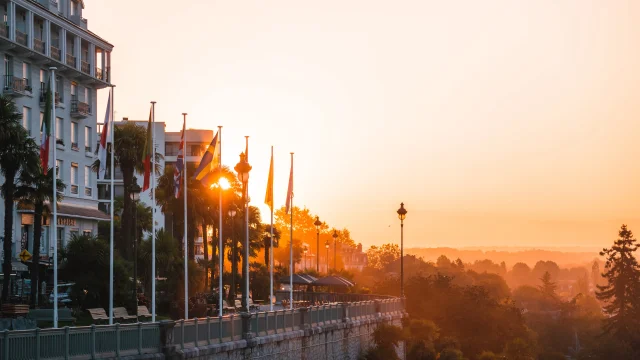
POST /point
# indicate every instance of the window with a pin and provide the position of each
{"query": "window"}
(73, 233)
(74, 178)
(42, 76)
(86, 96)
(87, 181)
(59, 169)
(26, 114)
(74, 6)
(74, 135)
(41, 119)
(8, 65)
(74, 86)
(87, 232)
(26, 72)
(60, 130)
(61, 239)
(59, 89)
(87, 139)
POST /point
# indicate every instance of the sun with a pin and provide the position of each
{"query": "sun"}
(224, 183)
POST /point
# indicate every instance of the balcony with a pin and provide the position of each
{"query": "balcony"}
(79, 109)
(99, 74)
(14, 86)
(87, 191)
(21, 38)
(71, 60)
(87, 148)
(74, 189)
(39, 45)
(4, 31)
(56, 53)
(85, 66)
(74, 146)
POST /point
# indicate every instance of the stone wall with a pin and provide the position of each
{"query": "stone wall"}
(344, 340)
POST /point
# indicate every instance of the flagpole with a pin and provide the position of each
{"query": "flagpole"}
(245, 261)
(54, 223)
(186, 259)
(291, 247)
(220, 250)
(112, 131)
(153, 214)
(271, 245)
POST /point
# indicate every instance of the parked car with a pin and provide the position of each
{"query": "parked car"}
(64, 293)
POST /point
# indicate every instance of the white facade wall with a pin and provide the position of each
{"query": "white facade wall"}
(26, 50)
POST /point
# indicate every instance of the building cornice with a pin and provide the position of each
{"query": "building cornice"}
(69, 25)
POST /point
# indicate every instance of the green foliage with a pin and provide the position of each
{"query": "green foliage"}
(451, 354)
(386, 338)
(548, 287)
(622, 291)
(87, 259)
(519, 349)
(488, 355)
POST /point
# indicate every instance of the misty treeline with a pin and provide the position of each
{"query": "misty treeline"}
(486, 310)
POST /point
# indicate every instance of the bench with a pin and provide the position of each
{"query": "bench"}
(121, 313)
(98, 315)
(46, 315)
(143, 312)
(15, 310)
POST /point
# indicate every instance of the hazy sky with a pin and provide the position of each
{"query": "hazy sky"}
(496, 122)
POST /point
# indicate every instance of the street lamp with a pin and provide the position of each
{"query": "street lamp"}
(134, 194)
(317, 223)
(243, 168)
(305, 256)
(326, 245)
(234, 248)
(402, 214)
(335, 257)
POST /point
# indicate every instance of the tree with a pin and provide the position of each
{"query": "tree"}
(622, 290)
(386, 338)
(548, 287)
(130, 140)
(443, 262)
(380, 257)
(266, 241)
(18, 153)
(36, 189)
(87, 259)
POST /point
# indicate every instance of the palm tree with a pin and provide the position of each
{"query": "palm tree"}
(35, 190)
(130, 142)
(18, 153)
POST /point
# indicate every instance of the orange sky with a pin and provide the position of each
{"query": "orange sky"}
(496, 122)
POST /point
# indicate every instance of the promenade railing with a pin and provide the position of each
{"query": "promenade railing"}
(108, 341)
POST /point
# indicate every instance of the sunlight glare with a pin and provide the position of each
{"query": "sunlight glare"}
(224, 183)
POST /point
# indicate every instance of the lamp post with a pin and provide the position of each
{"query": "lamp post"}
(335, 251)
(402, 214)
(134, 193)
(234, 261)
(243, 168)
(317, 223)
(326, 245)
(305, 256)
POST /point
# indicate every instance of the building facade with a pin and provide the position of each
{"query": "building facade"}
(38, 35)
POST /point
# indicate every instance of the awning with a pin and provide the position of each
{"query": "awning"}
(333, 281)
(298, 279)
(74, 211)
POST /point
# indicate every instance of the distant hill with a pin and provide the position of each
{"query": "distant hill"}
(563, 256)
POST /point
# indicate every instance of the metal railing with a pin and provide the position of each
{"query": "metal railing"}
(99, 74)
(56, 53)
(79, 108)
(87, 191)
(71, 60)
(21, 38)
(15, 84)
(39, 45)
(101, 341)
(85, 66)
(4, 30)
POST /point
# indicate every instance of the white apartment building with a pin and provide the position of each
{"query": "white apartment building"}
(167, 144)
(37, 35)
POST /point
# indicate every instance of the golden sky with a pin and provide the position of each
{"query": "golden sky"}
(496, 122)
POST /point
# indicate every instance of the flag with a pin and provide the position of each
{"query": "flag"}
(290, 189)
(209, 161)
(177, 173)
(104, 137)
(148, 152)
(45, 129)
(268, 198)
